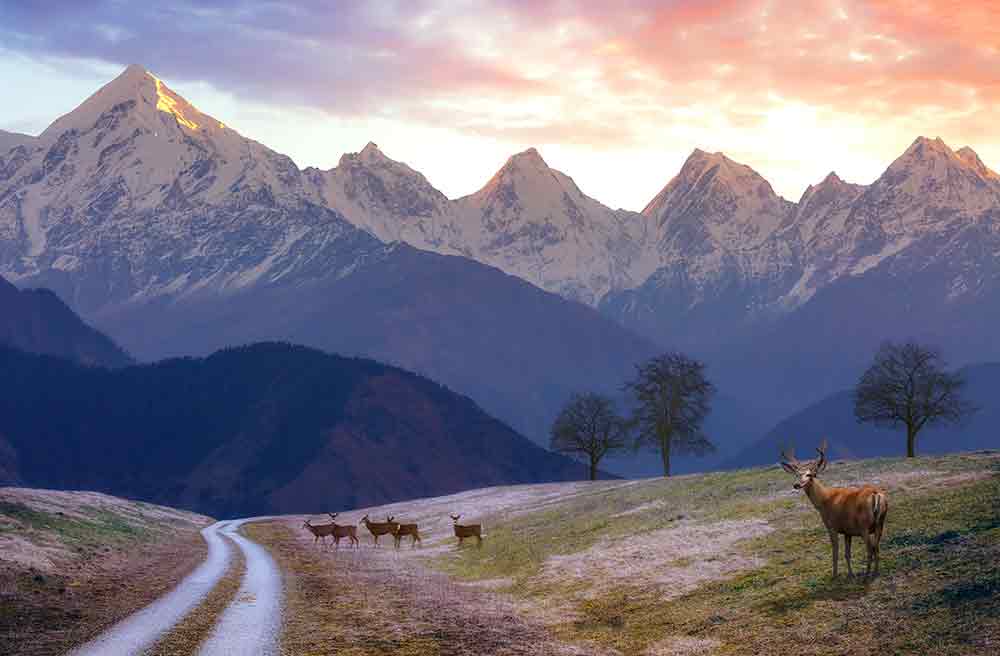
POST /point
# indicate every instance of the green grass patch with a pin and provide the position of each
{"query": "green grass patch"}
(99, 528)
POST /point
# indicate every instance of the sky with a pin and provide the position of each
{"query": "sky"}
(615, 94)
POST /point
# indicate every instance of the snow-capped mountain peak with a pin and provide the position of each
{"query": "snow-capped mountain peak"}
(716, 198)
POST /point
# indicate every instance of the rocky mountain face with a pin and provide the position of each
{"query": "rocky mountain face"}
(9, 140)
(137, 194)
(529, 220)
(35, 320)
(269, 428)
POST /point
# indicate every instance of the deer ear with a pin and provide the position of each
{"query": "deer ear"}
(789, 468)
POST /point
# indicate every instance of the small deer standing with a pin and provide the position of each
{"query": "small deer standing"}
(388, 527)
(403, 530)
(319, 530)
(847, 511)
(467, 531)
(349, 531)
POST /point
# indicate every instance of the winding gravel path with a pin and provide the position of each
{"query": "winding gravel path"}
(143, 628)
(252, 623)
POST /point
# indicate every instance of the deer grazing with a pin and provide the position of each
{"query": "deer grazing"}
(349, 531)
(388, 527)
(402, 530)
(847, 511)
(319, 530)
(467, 531)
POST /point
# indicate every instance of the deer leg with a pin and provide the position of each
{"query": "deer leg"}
(847, 554)
(835, 544)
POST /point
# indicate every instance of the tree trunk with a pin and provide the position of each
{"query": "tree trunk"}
(665, 453)
(911, 439)
(593, 469)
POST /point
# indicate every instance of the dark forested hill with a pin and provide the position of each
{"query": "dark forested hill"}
(258, 429)
(36, 320)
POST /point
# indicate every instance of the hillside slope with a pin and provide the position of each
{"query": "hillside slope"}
(72, 563)
(719, 564)
(254, 430)
(35, 320)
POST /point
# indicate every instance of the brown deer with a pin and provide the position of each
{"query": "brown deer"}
(403, 530)
(319, 530)
(388, 527)
(467, 531)
(349, 531)
(847, 511)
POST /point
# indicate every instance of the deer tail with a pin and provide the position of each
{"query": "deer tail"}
(878, 507)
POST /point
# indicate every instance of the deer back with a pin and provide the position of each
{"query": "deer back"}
(468, 530)
(849, 510)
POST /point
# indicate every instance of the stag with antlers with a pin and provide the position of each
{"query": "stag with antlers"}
(847, 511)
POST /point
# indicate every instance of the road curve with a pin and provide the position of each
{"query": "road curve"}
(143, 628)
(252, 622)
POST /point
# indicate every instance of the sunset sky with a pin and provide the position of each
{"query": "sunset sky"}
(615, 94)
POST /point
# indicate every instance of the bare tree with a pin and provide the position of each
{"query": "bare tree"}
(908, 385)
(672, 398)
(589, 427)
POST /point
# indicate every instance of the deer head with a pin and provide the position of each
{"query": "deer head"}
(333, 515)
(807, 471)
(454, 518)
(389, 518)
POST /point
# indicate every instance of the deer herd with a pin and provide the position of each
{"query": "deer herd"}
(848, 511)
(391, 527)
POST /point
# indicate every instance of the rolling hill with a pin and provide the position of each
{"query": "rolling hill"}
(253, 430)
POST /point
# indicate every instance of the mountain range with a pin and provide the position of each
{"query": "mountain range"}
(177, 235)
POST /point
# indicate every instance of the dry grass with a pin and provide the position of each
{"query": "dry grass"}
(368, 602)
(72, 564)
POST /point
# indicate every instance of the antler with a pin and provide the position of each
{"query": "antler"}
(821, 461)
(788, 456)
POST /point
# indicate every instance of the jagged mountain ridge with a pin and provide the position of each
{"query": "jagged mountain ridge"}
(139, 198)
(717, 229)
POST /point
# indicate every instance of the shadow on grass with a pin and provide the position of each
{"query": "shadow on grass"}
(815, 589)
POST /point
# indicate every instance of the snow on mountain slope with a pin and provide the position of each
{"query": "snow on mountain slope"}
(528, 220)
(534, 222)
(136, 193)
(736, 256)
(389, 200)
